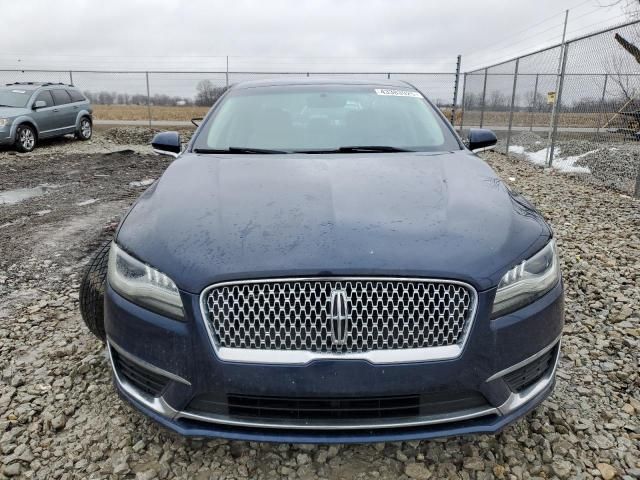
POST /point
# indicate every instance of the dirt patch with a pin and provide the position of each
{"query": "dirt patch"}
(81, 194)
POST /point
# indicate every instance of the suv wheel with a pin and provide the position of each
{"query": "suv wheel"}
(85, 130)
(92, 291)
(25, 138)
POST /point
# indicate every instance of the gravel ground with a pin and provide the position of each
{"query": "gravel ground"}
(61, 418)
(103, 141)
(612, 165)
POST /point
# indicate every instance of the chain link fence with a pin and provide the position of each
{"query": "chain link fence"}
(593, 82)
(575, 106)
(174, 98)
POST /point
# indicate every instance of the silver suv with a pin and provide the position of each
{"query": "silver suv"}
(33, 111)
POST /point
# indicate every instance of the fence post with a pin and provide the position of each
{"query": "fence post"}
(637, 191)
(533, 103)
(559, 78)
(455, 92)
(484, 94)
(70, 77)
(148, 98)
(227, 72)
(604, 94)
(513, 103)
(388, 76)
(557, 104)
(464, 92)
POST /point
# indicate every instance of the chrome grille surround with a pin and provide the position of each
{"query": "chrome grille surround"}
(250, 321)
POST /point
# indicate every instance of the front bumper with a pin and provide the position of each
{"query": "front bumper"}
(6, 138)
(181, 354)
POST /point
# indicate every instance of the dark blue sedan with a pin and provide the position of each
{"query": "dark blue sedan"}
(326, 261)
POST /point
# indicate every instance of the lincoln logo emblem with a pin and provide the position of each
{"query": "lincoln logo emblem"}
(339, 316)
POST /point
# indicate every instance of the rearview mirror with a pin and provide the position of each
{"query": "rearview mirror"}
(167, 143)
(39, 104)
(481, 139)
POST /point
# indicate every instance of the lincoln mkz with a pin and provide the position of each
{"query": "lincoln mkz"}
(327, 261)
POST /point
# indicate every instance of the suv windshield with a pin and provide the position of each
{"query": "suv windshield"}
(324, 118)
(14, 97)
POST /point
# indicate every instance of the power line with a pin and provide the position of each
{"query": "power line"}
(532, 27)
(619, 19)
(549, 43)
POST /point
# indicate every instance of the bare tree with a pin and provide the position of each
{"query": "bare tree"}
(627, 83)
(617, 65)
(207, 93)
(537, 103)
(632, 9)
(497, 101)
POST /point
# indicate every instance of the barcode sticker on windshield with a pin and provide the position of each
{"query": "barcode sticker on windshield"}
(397, 93)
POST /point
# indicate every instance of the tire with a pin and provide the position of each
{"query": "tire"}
(85, 130)
(26, 138)
(92, 291)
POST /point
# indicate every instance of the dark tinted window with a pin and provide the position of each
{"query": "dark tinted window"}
(60, 97)
(45, 96)
(76, 96)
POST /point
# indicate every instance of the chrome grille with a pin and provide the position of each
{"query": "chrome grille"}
(295, 314)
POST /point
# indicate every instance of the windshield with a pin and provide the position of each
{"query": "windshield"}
(324, 118)
(14, 97)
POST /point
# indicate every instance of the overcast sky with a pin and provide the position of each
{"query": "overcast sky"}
(365, 35)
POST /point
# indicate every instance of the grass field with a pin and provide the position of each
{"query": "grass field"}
(141, 112)
(520, 119)
(538, 119)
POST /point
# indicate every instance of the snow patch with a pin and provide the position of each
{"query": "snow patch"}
(519, 149)
(87, 202)
(142, 183)
(562, 164)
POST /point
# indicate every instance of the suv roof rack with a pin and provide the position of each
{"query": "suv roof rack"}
(41, 84)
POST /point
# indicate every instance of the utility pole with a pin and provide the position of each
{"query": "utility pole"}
(455, 91)
(148, 98)
(554, 108)
(513, 104)
(227, 71)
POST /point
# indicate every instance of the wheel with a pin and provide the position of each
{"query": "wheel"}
(85, 130)
(25, 138)
(92, 291)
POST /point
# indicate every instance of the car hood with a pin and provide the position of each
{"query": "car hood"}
(9, 112)
(214, 218)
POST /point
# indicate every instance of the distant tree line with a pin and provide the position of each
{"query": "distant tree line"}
(117, 98)
(206, 95)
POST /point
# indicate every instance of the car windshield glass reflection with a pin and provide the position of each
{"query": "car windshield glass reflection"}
(327, 119)
(14, 97)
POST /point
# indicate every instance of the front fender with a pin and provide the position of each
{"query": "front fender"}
(83, 113)
(23, 119)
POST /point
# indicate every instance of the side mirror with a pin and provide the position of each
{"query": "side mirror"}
(167, 143)
(481, 139)
(39, 104)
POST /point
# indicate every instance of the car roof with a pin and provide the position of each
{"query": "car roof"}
(277, 82)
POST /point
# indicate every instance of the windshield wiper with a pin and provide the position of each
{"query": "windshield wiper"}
(238, 150)
(359, 149)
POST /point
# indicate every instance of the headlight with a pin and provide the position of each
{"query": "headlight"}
(143, 284)
(4, 122)
(525, 282)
